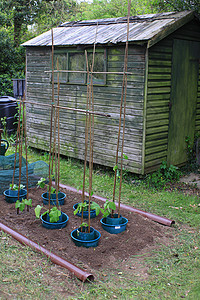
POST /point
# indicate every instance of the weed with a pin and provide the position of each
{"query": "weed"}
(4, 125)
(164, 175)
(192, 153)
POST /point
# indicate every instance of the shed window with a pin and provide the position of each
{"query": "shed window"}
(99, 66)
(76, 61)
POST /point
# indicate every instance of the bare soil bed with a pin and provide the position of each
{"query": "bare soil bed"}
(140, 235)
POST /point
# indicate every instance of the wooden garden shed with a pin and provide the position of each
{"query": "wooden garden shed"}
(163, 90)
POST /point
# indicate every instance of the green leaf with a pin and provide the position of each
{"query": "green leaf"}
(28, 202)
(38, 210)
(54, 214)
(95, 206)
(22, 206)
(81, 205)
(41, 183)
(125, 156)
(15, 187)
(115, 168)
(17, 204)
(84, 224)
(76, 211)
(112, 205)
(53, 190)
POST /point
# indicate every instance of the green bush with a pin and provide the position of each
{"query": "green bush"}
(164, 175)
(12, 63)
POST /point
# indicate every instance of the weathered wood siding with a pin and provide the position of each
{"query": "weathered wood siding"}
(197, 123)
(158, 95)
(191, 32)
(106, 99)
(158, 98)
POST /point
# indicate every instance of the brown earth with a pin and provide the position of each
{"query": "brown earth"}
(141, 234)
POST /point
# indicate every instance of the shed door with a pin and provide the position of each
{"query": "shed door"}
(185, 72)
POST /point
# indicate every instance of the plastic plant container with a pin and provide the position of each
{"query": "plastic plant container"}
(61, 198)
(62, 222)
(114, 228)
(87, 241)
(11, 196)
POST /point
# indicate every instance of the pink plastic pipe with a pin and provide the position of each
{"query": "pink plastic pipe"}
(79, 273)
(153, 217)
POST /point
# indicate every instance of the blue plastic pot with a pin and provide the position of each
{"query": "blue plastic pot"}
(61, 198)
(62, 222)
(114, 220)
(84, 235)
(12, 196)
(114, 228)
(85, 241)
(4, 147)
(85, 212)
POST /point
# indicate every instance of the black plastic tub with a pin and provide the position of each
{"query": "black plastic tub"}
(8, 109)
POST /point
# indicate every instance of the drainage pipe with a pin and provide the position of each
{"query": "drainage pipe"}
(153, 217)
(79, 273)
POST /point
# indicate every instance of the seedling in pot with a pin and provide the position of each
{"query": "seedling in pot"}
(84, 229)
(54, 213)
(42, 183)
(21, 205)
(85, 205)
(108, 208)
(15, 187)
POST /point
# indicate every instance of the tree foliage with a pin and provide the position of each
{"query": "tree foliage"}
(99, 9)
(176, 5)
(21, 20)
(12, 62)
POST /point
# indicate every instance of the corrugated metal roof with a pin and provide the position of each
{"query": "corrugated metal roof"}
(143, 28)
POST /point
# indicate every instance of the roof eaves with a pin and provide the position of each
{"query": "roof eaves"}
(170, 28)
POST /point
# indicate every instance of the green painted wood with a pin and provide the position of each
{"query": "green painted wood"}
(157, 129)
(185, 72)
(159, 90)
(153, 69)
(159, 83)
(160, 63)
(161, 116)
(154, 142)
(156, 149)
(156, 155)
(106, 99)
(161, 76)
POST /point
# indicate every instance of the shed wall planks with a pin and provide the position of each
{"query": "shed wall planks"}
(158, 96)
(106, 100)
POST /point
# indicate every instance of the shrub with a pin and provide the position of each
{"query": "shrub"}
(164, 175)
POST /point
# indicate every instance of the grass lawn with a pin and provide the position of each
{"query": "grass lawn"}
(169, 272)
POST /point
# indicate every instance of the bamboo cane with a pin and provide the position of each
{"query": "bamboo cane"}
(86, 136)
(51, 120)
(17, 139)
(58, 118)
(91, 124)
(124, 90)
